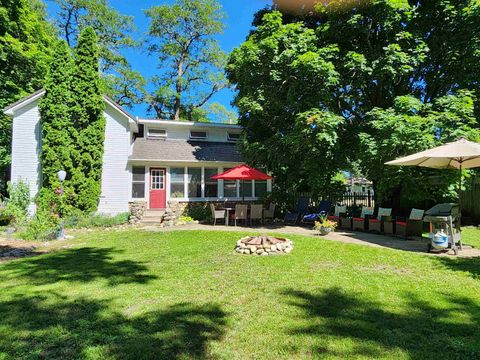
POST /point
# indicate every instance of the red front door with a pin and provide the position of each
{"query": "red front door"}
(158, 194)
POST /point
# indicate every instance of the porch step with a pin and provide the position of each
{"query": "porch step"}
(152, 217)
(154, 212)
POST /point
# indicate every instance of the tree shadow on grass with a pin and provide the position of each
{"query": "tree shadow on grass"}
(468, 265)
(421, 330)
(38, 327)
(81, 265)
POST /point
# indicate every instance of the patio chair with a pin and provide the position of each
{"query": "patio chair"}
(216, 214)
(241, 213)
(412, 226)
(302, 209)
(339, 212)
(361, 223)
(269, 213)
(256, 213)
(322, 210)
(384, 214)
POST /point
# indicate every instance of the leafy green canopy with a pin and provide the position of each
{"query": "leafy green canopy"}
(284, 84)
(25, 51)
(191, 62)
(354, 62)
(114, 30)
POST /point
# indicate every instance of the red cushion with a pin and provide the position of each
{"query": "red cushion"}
(374, 220)
(401, 223)
(358, 219)
(333, 217)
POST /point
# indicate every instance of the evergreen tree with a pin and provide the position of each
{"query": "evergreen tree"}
(88, 121)
(57, 141)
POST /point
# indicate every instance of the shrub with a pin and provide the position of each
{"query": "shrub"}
(198, 211)
(16, 206)
(43, 226)
(95, 220)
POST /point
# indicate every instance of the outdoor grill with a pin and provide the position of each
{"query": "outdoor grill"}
(446, 217)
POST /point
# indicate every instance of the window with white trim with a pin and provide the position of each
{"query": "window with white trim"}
(198, 134)
(260, 188)
(194, 182)
(177, 182)
(233, 137)
(211, 185)
(157, 179)
(157, 133)
(138, 182)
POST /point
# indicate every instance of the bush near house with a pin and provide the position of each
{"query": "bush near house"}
(81, 221)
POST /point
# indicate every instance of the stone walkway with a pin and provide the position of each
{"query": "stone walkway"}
(350, 237)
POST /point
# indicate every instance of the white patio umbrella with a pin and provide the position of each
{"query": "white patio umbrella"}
(461, 154)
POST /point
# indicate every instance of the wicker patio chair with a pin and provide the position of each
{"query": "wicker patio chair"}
(269, 213)
(384, 214)
(361, 223)
(339, 213)
(241, 213)
(256, 213)
(413, 226)
(217, 214)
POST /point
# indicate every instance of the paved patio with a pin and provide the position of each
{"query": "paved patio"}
(350, 237)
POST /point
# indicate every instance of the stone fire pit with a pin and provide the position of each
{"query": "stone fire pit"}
(263, 245)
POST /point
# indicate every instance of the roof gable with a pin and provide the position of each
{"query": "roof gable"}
(11, 109)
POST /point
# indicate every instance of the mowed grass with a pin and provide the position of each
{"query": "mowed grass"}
(186, 294)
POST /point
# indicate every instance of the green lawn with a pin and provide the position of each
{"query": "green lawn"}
(139, 295)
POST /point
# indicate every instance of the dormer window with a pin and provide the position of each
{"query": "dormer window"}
(233, 136)
(198, 135)
(157, 133)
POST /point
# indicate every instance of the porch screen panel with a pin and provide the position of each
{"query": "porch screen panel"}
(194, 182)
(260, 188)
(177, 181)
(246, 188)
(229, 187)
(138, 182)
(211, 186)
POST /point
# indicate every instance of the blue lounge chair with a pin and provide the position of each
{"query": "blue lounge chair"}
(300, 211)
(323, 209)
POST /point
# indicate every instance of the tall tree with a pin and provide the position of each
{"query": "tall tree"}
(190, 60)
(284, 84)
(114, 30)
(55, 113)
(88, 121)
(379, 50)
(25, 50)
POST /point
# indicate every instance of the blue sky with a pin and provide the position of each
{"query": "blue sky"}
(238, 23)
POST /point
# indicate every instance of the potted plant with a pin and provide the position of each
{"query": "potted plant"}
(325, 226)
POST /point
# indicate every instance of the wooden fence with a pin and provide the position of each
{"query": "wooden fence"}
(471, 200)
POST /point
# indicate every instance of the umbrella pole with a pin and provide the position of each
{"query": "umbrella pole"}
(243, 193)
(460, 205)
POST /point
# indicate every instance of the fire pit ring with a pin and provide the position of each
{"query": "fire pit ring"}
(263, 245)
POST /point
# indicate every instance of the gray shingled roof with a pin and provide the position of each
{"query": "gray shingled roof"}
(181, 150)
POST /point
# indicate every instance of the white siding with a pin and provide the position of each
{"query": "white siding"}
(26, 146)
(116, 177)
(182, 132)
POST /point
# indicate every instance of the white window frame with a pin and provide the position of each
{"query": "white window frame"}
(162, 136)
(220, 186)
(197, 137)
(229, 139)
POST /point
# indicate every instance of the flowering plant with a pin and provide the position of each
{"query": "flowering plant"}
(324, 223)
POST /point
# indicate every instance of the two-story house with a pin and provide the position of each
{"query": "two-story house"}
(152, 160)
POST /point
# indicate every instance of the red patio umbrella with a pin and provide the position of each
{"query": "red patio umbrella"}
(242, 172)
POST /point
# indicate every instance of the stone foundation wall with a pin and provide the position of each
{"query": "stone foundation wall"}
(137, 211)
